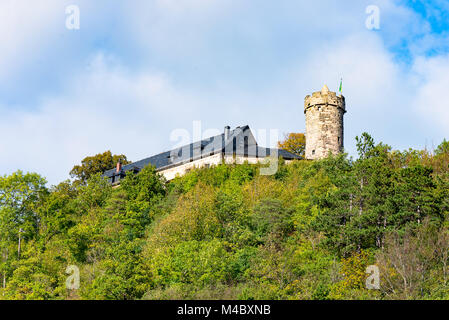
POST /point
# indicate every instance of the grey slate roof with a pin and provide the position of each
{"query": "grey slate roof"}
(200, 149)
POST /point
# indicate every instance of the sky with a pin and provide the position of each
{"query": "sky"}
(136, 73)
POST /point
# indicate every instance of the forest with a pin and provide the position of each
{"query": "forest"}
(309, 232)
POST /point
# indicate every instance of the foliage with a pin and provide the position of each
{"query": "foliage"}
(96, 164)
(294, 142)
(227, 232)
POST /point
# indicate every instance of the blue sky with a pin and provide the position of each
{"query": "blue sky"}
(137, 71)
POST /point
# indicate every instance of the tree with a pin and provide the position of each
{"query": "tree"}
(294, 143)
(20, 194)
(352, 277)
(443, 148)
(415, 265)
(96, 164)
(356, 212)
(440, 160)
(143, 191)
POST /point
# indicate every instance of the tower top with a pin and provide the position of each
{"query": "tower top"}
(325, 97)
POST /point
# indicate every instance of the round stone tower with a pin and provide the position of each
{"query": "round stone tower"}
(324, 112)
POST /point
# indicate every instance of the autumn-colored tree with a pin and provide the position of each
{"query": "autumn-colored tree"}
(440, 160)
(95, 164)
(352, 276)
(294, 142)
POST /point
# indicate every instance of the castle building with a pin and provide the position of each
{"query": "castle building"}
(232, 146)
(324, 112)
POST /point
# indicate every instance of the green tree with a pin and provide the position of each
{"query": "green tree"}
(143, 191)
(20, 195)
(96, 164)
(356, 210)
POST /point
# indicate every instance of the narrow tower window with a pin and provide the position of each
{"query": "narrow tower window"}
(245, 146)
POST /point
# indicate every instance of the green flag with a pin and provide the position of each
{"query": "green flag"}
(341, 86)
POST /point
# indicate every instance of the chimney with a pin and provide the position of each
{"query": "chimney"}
(227, 131)
(119, 166)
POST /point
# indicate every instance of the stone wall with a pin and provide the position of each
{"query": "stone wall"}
(212, 160)
(180, 170)
(324, 112)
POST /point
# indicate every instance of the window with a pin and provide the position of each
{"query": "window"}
(245, 146)
(313, 152)
(338, 139)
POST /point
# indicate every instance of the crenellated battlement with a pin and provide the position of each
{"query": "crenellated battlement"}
(324, 97)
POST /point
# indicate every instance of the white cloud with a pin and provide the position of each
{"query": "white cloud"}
(432, 83)
(103, 108)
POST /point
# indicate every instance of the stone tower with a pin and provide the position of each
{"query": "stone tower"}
(324, 112)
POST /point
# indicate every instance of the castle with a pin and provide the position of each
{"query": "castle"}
(323, 111)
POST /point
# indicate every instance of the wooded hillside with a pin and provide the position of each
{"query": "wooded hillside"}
(227, 232)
